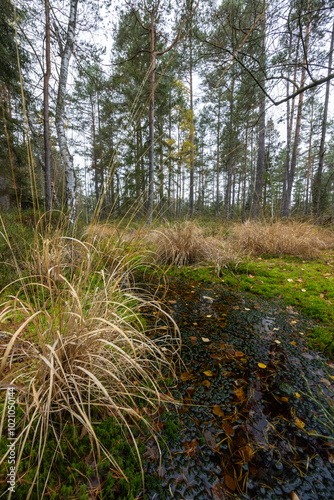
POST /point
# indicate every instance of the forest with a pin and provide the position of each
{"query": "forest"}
(167, 249)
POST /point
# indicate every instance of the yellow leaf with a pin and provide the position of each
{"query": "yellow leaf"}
(261, 365)
(277, 341)
(208, 373)
(298, 395)
(205, 339)
(209, 316)
(299, 423)
(218, 411)
(194, 323)
(206, 383)
(294, 342)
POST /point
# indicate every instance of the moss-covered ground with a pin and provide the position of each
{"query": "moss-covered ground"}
(307, 285)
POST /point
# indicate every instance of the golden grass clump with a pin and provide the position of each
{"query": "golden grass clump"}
(182, 244)
(77, 342)
(279, 238)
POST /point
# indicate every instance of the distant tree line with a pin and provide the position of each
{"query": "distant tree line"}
(200, 108)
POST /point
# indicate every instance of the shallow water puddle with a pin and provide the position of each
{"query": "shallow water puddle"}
(254, 405)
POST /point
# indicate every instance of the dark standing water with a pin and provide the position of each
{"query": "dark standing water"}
(256, 420)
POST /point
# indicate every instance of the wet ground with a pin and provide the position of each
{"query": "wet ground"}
(256, 420)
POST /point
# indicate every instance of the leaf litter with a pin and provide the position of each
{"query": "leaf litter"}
(259, 428)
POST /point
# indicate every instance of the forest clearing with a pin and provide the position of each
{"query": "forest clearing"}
(167, 250)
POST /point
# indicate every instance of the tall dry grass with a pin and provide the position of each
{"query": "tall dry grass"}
(182, 244)
(281, 238)
(75, 340)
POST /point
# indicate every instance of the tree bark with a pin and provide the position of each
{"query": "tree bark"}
(47, 147)
(218, 157)
(67, 158)
(262, 134)
(151, 121)
(291, 174)
(191, 137)
(323, 131)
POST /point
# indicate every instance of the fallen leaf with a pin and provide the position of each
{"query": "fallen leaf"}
(208, 373)
(210, 439)
(240, 393)
(262, 365)
(228, 428)
(299, 423)
(218, 411)
(205, 339)
(332, 376)
(303, 290)
(321, 296)
(307, 356)
(297, 395)
(206, 383)
(186, 376)
(277, 341)
(246, 309)
(193, 339)
(172, 302)
(195, 324)
(239, 354)
(284, 399)
(275, 329)
(294, 342)
(290, 280)
(209, 316)
(230, 483)
(325, 381)
(251, 276)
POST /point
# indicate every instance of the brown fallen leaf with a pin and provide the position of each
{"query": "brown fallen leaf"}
(218, 411)
(325, 381)
(240, 393)
(206, 383)
(230, 483)
(228, 428)
(208, 373)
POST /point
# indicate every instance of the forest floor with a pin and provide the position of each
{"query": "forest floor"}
(256, 419)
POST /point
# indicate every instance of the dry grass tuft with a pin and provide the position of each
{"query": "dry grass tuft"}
(77, 342)
(182, 244)
(280, 238)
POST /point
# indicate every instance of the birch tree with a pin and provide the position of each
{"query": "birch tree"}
(66, 51)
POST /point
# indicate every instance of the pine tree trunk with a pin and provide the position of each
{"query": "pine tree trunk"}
(218, 157)
(309, 163)
(47, 147)
(323, 131)
(191, 138)
(151, 122)
(244, 180)
(291, 174)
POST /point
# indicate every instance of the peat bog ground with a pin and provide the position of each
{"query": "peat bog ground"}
(256, 413)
